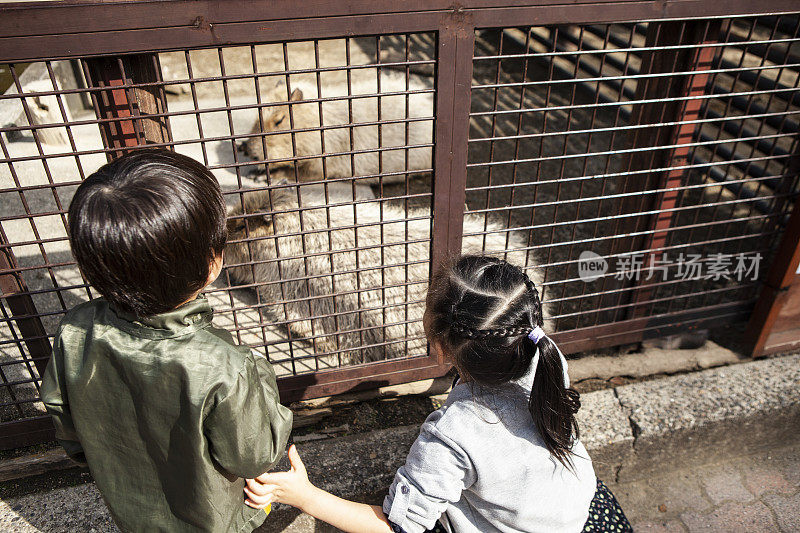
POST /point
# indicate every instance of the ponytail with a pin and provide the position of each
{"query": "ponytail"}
(552, 404)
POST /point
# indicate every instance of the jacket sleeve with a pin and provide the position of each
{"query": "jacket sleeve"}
(54, 397)
(436, 472)
(247, 428)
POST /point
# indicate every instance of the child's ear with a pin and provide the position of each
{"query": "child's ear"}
(437, 349)
(215, 268)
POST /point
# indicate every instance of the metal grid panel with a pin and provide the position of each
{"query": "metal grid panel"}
(328, 257)
(648, 139)
(651, 143)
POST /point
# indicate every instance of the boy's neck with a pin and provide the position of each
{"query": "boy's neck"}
(213, 272)
(191, 298)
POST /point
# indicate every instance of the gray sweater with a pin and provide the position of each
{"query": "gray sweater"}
(479, 465)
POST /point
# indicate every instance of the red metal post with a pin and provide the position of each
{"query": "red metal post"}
(22, 308)
(120, 101)
(698, 60)
(15, 292)
(657, 62)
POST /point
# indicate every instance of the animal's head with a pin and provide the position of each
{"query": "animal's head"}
(274, 118)
(277, 118)
(251, 225)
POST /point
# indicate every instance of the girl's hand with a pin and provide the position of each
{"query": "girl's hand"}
(258, 496)
(292, 487)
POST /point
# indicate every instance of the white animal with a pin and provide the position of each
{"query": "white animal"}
(365, 150)
(358, 291)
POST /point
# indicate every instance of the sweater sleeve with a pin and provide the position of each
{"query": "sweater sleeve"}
(54, 397)
(248, 428)
(436, 472)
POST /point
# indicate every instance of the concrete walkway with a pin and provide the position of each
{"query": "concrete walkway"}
(759, 492)
(753, 493)
(717, 450)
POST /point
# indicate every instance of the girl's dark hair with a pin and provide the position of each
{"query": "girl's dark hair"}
(480, 310)
(145, 228)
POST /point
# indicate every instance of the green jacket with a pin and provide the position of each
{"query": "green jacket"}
(169, 414)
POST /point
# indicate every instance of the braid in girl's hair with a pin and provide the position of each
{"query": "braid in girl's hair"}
(481, 310)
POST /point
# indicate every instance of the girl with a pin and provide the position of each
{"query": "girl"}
(503, 453)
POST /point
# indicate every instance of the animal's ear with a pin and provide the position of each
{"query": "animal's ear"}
(274, 201)
(296, 95)
(283, 198)
(264, 211)
(235, 225)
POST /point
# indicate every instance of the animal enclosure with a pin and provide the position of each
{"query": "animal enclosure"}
(639, 159)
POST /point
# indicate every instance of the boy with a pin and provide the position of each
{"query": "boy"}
(167, 411)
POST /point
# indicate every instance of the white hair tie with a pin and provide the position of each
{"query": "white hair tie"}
(536, 334)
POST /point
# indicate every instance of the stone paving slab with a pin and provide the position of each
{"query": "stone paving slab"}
(715, 413)
(63, 510)
(747, 493)
(605, 431)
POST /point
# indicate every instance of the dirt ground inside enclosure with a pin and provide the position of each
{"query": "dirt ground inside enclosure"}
(553, 231)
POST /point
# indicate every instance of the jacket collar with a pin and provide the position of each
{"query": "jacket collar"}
(188, 318)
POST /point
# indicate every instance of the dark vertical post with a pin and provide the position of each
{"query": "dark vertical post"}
(774, 295)
(454, 80)
(676, 140)
(120, 101)
(453, 84)
(22, 308)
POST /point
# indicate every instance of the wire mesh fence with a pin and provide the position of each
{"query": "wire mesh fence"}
(658, 153)
(662, 149)
(328, 257)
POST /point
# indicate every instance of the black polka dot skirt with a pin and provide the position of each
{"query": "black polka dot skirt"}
(605, 514)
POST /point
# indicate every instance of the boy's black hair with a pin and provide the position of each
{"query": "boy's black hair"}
(145, 228)
(480, 310)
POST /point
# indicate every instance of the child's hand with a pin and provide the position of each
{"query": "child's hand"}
(253, 498)
(292, 487)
